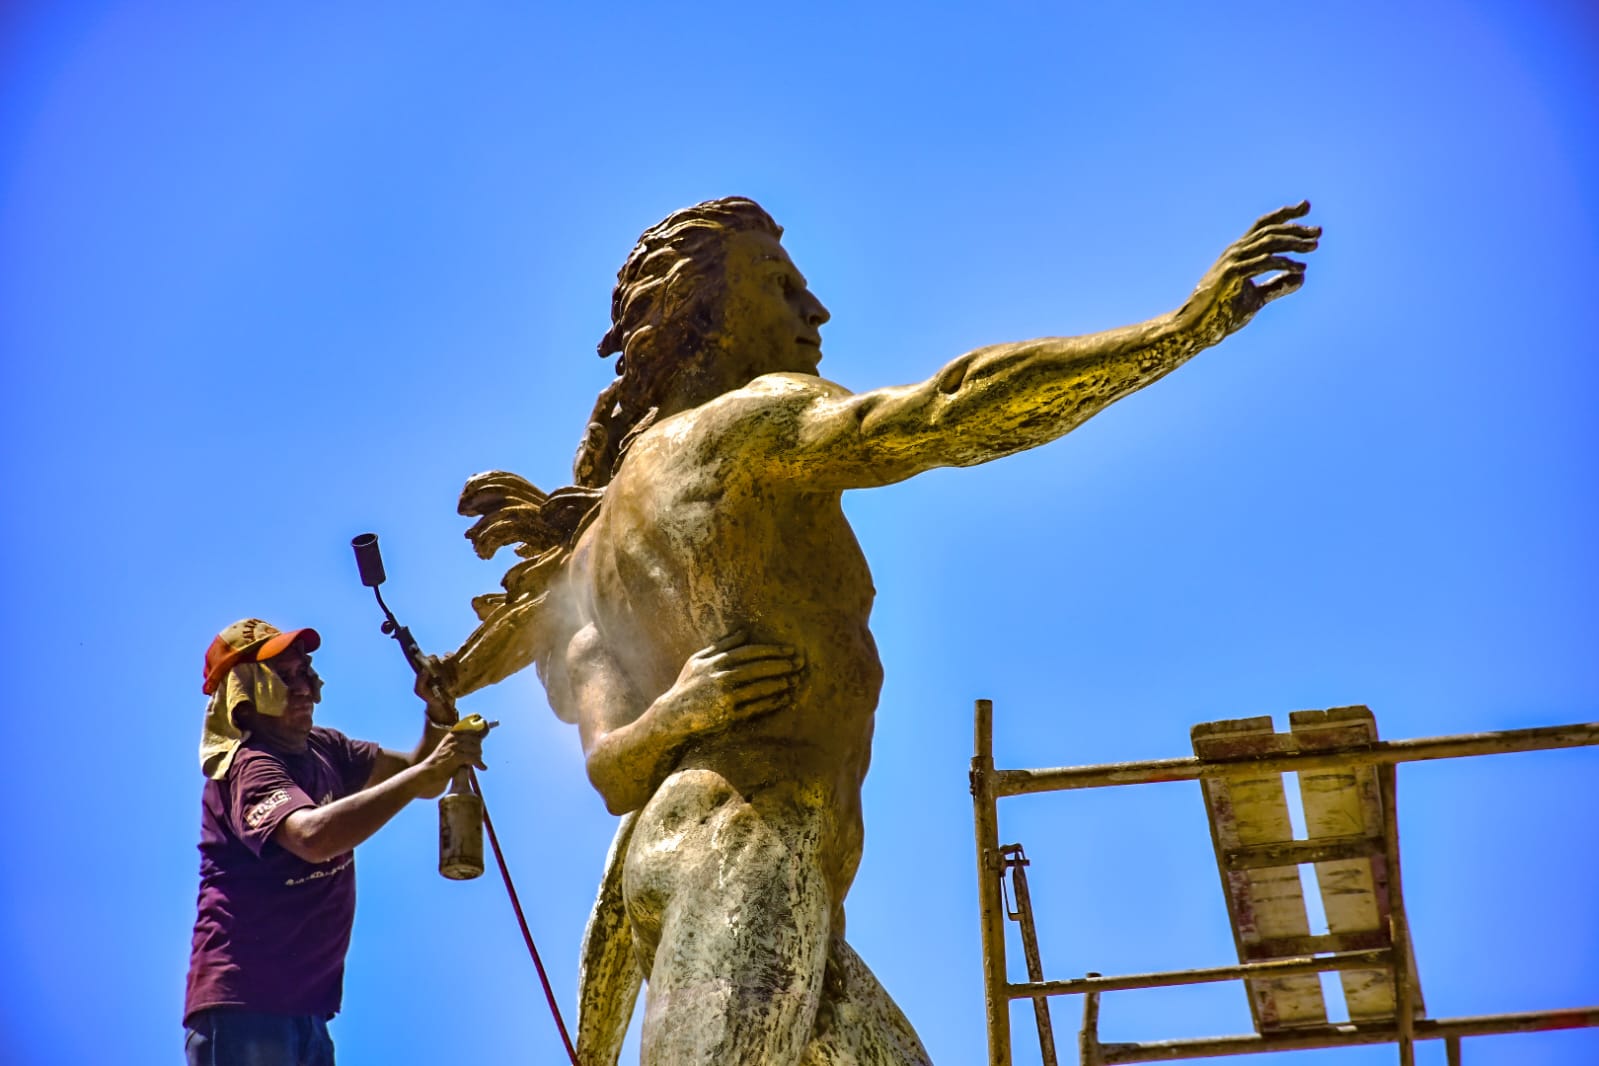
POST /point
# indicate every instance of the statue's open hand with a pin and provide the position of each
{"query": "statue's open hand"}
(732, 680)
(1229, 294)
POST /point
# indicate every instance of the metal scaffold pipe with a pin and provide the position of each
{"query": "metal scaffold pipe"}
(1060, 779)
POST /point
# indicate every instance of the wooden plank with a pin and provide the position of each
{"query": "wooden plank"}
(1354, 892)
(1297, 852)
(1248, 809)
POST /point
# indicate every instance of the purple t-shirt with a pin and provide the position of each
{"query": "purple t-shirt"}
(272, 928)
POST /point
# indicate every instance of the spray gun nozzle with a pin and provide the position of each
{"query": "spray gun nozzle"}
(369, 559)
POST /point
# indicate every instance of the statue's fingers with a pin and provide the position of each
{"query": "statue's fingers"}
(1276, 246)
(726, 643)
(1287, 229)
(744, 673)
(744, 653)
(1281, 285)
(1282, 214)
(1264, 264)
(760, 689)
(1279, 239)
(764, 705)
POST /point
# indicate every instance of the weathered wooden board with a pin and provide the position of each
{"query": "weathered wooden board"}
(1354, 892)
(1267, 903)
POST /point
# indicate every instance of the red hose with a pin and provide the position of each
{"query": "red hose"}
(521, 920)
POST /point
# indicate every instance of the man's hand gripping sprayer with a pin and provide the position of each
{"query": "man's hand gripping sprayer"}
(460, 809)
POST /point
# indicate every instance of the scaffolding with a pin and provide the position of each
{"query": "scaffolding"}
(1349, 787)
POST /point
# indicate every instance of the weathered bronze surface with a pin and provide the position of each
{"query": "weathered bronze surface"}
(698, 605)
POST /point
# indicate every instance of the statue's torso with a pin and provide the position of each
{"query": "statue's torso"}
(697, 538)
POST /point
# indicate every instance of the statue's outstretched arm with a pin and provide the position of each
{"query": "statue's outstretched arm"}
(1011, 397)
(631, 746)
(516, 627)
(507, 640)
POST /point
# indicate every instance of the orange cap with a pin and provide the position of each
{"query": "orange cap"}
(251, 640)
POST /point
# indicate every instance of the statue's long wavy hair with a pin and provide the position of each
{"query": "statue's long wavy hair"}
(666, 304)
(665, 308)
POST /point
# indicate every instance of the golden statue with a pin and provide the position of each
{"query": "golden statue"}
(698, 605)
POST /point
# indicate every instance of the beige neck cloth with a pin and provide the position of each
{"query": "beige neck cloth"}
(253, 683)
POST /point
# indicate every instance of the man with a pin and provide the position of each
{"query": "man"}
(285, 803)
(698, 605)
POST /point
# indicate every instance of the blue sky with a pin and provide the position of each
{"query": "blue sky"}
(274, 275)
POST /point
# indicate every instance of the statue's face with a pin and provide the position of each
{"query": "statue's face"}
(770, 321)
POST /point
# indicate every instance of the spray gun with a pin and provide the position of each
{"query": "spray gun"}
(460, 809)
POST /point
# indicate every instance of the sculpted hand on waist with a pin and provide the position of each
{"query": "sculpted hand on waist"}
(730, 681)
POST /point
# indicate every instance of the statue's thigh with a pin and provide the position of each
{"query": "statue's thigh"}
(858, 1023)
(738, 954)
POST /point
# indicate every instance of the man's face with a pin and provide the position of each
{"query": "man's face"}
(290, 730)
(771, 321)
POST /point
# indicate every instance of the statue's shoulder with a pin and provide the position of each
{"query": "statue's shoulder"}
(776, 394)
(798, 387)
(773, 401)
(753, 415)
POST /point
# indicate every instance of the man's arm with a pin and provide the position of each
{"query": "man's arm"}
(630, 746)
(390, 762)
(317, 834)
(1010, 397)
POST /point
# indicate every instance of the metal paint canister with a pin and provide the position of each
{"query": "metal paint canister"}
(460, 836)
